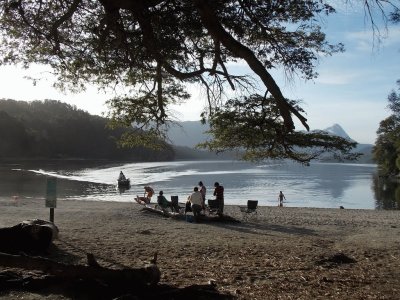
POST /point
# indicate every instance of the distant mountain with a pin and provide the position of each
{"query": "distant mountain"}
(336, 129)
(364, 149)
(190, 133)
(186, 135)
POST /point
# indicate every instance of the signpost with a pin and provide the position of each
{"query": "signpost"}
(51, 196)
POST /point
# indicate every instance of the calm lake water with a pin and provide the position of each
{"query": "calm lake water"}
(326, 185)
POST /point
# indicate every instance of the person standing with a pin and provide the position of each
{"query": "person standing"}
(219, 196)
(148, 193)
(281, 196)
(203, 192)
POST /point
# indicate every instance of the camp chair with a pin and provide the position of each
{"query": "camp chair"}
(212, 206)
(250, 209)
(175, 204)
(162, 206)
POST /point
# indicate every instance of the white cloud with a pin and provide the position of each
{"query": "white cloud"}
(370, 41)
(333, 77)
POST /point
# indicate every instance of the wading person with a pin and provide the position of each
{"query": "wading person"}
(281, 196)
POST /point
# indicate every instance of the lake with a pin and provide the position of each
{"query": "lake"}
(325, 185)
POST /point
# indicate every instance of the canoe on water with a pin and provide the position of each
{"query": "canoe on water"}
(123, 183)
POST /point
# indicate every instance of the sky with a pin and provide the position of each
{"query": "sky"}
(351, 90)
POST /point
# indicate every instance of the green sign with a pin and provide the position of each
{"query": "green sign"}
(51, 195)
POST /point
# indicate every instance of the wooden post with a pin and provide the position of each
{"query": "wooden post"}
(52, 214)
(51, 196)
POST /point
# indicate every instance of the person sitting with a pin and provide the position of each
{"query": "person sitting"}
(163, 202)
(121, 176)
(196, 200)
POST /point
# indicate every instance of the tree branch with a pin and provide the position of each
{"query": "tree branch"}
(61, 20)
(214, 27)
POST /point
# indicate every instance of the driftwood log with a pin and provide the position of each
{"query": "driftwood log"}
(93, 281)
(76, 281)
(148, 275)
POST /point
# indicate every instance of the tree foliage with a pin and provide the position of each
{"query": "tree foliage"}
(253, 125)
(387, 146)
(154, 48)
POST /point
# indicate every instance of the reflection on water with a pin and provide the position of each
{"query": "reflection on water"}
(387, 193)
(319, 185)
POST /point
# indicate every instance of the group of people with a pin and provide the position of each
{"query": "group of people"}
(196, 202)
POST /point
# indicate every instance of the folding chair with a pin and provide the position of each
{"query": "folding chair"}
(250, 209)
(163, 206)
(175, 203)
(212, 206)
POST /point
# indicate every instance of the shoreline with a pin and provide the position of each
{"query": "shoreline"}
(12, 202)
(321, 185)
(280, 253)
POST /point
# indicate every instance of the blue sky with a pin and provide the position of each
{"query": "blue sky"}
(351, 89)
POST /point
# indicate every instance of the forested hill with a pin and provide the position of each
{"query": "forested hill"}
(52, 129)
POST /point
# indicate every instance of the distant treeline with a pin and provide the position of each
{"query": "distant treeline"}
(52, 129)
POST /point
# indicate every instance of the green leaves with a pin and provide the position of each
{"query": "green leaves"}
(387, 146)
(121, 42)
(253, 127)
(154, 48)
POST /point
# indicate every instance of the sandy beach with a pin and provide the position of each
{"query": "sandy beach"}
(279, 253)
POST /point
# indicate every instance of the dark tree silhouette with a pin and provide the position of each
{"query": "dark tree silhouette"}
(155, 47)
(386, 150)
(52, 129)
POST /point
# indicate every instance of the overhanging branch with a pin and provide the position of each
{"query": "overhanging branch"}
(214, 27)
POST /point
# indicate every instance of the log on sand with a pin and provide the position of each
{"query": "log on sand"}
(93, 281)
(148, 275)
(41, 275)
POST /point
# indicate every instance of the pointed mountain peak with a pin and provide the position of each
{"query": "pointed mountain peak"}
(336, 129)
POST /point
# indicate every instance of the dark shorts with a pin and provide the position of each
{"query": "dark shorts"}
(196, 208)
(220, 206)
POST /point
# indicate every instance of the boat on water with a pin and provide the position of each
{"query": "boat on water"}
(124, 183)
